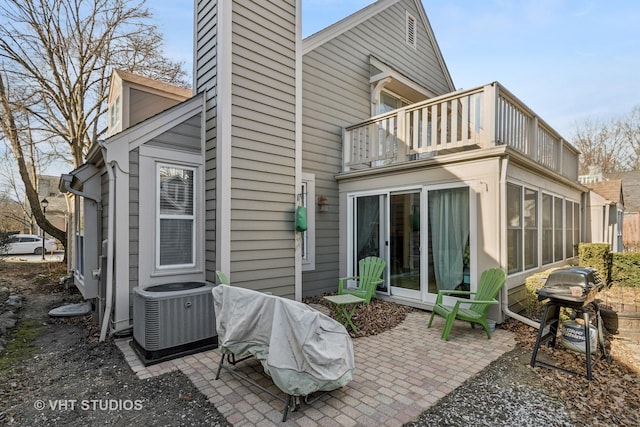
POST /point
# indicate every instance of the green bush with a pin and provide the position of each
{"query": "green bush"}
(598, 256)
(532, 307)
(625, 269)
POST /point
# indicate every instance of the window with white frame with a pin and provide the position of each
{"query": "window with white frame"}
(547, 229)
(539, 221)
(530, 212)
(114, 114)
(79, 235)
(514, 228)
(558, 252)
(308, 236)
(522, 228)
(572, 228)
(176, 219)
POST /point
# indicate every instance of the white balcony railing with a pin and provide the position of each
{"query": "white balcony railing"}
(478, 118)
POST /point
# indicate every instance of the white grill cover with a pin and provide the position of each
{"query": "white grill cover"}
(301, 349)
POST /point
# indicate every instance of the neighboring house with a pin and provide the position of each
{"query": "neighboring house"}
(605, 213)
(361, 123)
(56, 211)
(631, 191)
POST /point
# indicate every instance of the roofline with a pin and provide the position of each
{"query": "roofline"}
(323, 36)
(148, 82)
(334, 30)
(148, 128)
(436, 46)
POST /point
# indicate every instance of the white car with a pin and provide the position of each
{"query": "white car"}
(29, 244)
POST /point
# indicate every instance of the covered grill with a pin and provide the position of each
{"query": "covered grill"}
(574, 286)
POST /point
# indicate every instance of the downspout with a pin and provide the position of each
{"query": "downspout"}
(110, 233)
(504, 161)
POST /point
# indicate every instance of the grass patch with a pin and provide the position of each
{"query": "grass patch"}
(20, 345)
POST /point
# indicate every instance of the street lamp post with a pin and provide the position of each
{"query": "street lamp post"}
(44, 203)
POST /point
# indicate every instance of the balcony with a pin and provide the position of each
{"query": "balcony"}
(484, 117)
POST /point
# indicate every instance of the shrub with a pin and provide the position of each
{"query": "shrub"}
(625, 269)
(598, 256)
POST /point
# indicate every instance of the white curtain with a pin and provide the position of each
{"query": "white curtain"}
(449, 218)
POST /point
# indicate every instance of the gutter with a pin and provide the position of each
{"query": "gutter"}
(504, 161)
(110, 233)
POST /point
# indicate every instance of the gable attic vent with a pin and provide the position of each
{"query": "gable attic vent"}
(411, 31)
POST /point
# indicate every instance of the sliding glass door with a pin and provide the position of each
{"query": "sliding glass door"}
(404, 244)
(422, 234)
(369, 230)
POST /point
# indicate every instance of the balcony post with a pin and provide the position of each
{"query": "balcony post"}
(534, 149)
(346, 149)
(490, 106)
(402, 136)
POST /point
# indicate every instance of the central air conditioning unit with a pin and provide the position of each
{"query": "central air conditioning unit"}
(173, 320)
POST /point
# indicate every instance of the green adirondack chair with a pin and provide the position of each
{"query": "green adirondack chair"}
(370, 271)
(491, 282)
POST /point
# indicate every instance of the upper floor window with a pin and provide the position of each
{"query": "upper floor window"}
(114, 115)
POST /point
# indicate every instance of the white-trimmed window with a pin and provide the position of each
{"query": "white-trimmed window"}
(514, 228)
(79, 235)
(176, 219)
(523, 235)
(547, 228)
(114, 115)
(308, 241)
(572, 229)
(530, 213)
(558, 248)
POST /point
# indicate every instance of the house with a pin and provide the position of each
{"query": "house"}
(631, 192)
(57, 204)
(605, 213)
(359, 122)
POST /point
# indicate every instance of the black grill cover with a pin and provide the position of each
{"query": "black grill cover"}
(573, 284)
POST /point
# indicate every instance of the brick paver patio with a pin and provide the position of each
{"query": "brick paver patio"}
(399, 374)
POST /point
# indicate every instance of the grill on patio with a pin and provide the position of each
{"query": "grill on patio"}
(571, 287)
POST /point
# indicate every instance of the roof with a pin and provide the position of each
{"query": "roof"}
(630, 188)
(126, 76)
(610, 190)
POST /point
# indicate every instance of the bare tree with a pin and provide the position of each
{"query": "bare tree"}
(630, 128)
(56, 57)
(601, 144)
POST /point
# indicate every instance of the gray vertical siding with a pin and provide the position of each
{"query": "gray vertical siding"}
(336, 93)
(206, 82)
(263, 145)
(134, 217)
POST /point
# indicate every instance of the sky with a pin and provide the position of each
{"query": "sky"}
(568, 60)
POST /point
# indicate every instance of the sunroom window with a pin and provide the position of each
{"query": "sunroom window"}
(176, 216)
